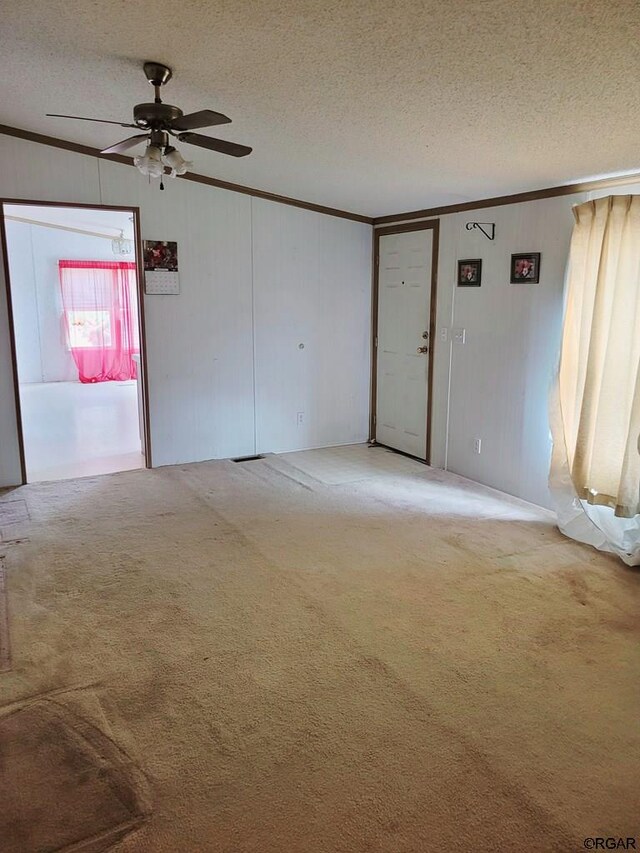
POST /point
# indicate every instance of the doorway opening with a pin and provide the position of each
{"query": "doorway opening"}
(77, 323)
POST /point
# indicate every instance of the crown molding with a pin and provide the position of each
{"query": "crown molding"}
(427, 213)
(516, 198)
(66, 145)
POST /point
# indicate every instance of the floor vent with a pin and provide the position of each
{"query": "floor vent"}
(247, 458)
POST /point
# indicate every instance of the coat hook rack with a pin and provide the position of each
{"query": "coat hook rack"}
(471, 225)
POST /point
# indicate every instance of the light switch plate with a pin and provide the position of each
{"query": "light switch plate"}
(459, 336)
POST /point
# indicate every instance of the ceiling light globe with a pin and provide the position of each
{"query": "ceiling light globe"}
(155, 169)
(140, 162)
(174, 159)
(150, 163)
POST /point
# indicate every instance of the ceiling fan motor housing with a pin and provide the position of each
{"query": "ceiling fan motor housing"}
(155, 116)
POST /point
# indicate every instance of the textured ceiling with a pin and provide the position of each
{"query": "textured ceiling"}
(373, 107)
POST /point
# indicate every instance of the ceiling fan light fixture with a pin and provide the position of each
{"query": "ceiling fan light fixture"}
(150, 163)
(159, 121)
(174, 159)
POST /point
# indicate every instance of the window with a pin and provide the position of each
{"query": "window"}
(87, 328)
(101, 318)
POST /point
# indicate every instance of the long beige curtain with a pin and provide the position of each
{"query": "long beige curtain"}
(599, 378)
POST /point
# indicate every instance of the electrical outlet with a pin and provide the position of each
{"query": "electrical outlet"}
(444, 334)
(477, 445)
(300, 418)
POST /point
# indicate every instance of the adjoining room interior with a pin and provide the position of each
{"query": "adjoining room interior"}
(376, 588)
(73, 279)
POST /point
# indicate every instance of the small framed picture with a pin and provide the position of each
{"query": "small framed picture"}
(525, 267)
(470, 273)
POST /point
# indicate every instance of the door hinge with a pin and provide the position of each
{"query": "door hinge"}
(374, 420)
(375, 342)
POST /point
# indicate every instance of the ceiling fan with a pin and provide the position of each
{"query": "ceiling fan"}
(161, 121)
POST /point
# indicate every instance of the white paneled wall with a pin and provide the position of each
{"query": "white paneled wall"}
(495, 386)
(312, 304)
(40, 173)
(501, 376)
(201, 347)
(24, 299)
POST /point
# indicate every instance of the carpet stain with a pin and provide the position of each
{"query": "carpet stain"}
(64, 784)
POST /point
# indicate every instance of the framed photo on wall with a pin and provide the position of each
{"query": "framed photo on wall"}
(525, 267)
(470, 273)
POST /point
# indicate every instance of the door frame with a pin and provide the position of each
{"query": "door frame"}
(434, 226)
(141, 317)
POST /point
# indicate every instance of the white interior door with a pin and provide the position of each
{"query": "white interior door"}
(403, 350)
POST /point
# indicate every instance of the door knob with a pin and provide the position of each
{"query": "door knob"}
(423, 350)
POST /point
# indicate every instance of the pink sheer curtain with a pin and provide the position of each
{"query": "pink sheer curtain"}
(101, 318)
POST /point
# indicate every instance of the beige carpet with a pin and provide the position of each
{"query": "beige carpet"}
(338, 651)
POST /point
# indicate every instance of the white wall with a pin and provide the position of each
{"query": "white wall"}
(501, 376)
(34, 252)
(202, 385)
(312, 284)
(25, 302)
(496, 386)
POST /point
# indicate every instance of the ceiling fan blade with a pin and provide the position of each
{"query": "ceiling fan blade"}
(212, 144)
(204, 118)
(101, 120)
(126, 143)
